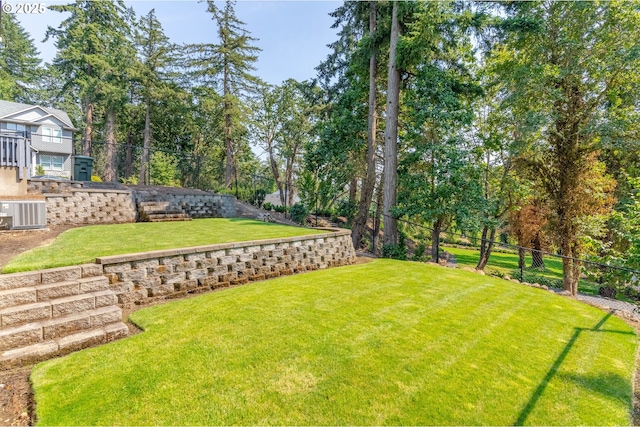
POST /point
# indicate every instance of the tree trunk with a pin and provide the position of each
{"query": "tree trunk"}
(483, 242)
(128, 158)
(144, 161)
(146, 145)
(376, 220)
(110, 174)
(435, 241)
(536, 252)
(369, 182)
(570, 267)
(521, 259)
(487, 246)
(228, 171)
(391, 136)
(88, 130)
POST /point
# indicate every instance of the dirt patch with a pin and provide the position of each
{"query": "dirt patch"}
(16, 402)
(14, 242)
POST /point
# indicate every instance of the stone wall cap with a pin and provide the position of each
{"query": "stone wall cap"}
(86, 190)
(117, 259)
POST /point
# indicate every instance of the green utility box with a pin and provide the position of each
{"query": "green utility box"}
(82, 167)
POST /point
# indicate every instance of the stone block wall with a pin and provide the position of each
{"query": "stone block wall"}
(196, 203)
(77, 202)
(143, 278)
(85, 206)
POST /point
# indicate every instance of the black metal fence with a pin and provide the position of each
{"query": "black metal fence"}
(526, 264)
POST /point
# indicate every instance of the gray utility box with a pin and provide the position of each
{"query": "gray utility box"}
(23, 214)
(82, 168)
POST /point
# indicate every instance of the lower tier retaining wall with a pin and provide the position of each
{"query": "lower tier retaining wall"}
(143, 278)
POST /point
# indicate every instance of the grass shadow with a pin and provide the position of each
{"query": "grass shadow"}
(553, 371)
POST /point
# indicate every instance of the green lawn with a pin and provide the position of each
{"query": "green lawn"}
(382, 343)
(83, 245)
(506, 263)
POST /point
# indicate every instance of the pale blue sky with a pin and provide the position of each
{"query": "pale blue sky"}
(292, 34)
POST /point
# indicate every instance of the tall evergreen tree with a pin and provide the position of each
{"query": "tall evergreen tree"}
(87, 56)
(19, 62)
(230, 62)
(152, 74)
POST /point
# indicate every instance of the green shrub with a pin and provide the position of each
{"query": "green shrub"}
(394, 252)
(419, 254)
(346, 208)
(298, 213)
(267, 206)
(39, 170)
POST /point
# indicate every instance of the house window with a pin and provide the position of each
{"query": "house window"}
(49, 162)
(15, 127)
(51, 135)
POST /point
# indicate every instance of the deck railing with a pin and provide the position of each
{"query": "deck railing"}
(15, 152)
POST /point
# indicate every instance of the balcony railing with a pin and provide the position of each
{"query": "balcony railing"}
(15, 152)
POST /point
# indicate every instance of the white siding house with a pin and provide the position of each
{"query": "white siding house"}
(48, 130)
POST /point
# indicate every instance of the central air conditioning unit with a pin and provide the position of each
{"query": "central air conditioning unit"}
(23, 214)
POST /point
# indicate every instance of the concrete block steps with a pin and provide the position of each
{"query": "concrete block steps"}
(64, 345)
(39, 321)
(161, 211)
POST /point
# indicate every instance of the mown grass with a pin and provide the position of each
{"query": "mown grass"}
(383, 343)
(506, 263)
(83, 245)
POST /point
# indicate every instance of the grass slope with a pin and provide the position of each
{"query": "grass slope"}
(383, 343)
(83, 245)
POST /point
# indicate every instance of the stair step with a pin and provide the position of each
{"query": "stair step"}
(105, 316)
(168, 215)
(27, 313)
(82, 340)
(169, 219)
(71, 305)
(34, 352)
(53, 328)
(20, 336)
(169, 210)
(93, 284)
(76, 341)
(14, 297)
(63, 326)
(57, 290)
(154, 205)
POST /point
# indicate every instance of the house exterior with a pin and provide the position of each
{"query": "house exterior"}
(49, 132)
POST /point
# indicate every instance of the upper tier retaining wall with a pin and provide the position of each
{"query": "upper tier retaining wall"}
(77, 202)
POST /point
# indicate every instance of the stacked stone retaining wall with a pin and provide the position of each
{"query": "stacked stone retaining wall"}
(90, 207)
(76, 202)
(146, 277)
(195, 203)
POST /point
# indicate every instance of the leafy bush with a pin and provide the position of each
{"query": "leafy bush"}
(346, 208)
(419, 254)
(298, 213)
(532, 277)
(280, 208)
(39, 170)
(95, 178)
(394, 251)
(268, 207)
